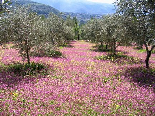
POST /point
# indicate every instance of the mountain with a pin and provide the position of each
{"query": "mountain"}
(43, 9)
(82, 17)
(40, 9)
(80, 6)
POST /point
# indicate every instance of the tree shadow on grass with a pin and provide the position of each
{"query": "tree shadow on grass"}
(8, 79)
(68, 44)
(99, 48)
(142, 76)
(120, 59)
(14, 74)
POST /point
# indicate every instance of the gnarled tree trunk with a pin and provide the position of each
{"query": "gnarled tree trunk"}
(106, 47)
(27, 51)
(114, 47)
(147, 58)
(148, 55)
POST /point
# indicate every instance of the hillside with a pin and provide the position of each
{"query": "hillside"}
(82, 17)
(80, 6)
(39, 8)
(43, 9)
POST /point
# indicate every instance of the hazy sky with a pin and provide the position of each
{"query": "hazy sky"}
(97, 1)
(102, 1)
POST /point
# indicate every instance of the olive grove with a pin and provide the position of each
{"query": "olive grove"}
(32, 34)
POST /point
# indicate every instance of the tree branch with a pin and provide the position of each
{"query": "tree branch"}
(152, 48)
(147, 49)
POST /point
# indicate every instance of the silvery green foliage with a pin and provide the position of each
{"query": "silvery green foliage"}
(22, 30)
(32, 33)
(42, 38)
(142, 14)
(68, 30)
(55, 27)
(4, 6)
(108, 30)
(59, 30)
(92, 30)
(68, 33)
(114, 29)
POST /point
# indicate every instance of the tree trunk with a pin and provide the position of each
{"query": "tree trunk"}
(101, 45)
(75, 35)
(114, 47)
(78, 36)
(106, 47)
(140, 45)
(28, 57)
(147, 59)
(148, 54)
(27, 52)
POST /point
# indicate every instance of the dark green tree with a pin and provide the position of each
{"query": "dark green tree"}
(76, 28)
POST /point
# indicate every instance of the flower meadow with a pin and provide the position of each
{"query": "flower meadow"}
(79, 84)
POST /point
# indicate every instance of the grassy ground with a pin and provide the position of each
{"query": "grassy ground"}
(79, 84)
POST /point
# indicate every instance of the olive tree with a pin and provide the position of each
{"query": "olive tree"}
(114, 32)
(20, 27)
(69, 29)
(76, 28)
(53, 31)
(109, 31)
(142, 13)
(92, 30)
(33, 34)
(22, 24)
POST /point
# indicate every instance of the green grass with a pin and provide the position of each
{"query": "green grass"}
(27, 69)
(141, 50)
(120, 58)
(54, 53)
(65, 45)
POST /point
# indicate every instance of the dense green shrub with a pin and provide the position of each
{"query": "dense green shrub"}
(27, 69)
(55, 53)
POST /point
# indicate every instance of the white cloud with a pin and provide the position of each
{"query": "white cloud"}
(103, 1)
